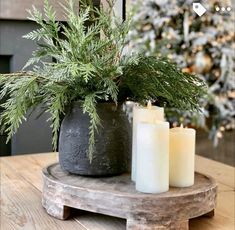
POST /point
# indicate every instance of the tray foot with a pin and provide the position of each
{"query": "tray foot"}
(56, 210)
(210, 214)
(138, 225)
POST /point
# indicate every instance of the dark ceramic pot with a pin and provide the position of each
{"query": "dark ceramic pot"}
(112, 142)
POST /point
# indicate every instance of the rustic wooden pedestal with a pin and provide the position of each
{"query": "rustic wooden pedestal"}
(116, 196)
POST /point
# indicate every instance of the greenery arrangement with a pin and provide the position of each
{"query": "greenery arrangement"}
(90, 65)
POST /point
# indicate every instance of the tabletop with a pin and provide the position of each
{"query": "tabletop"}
(21, 186)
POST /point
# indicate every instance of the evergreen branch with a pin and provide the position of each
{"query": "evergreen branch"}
(56, 107)
(89, 107)
(23, 95)
(153, 78)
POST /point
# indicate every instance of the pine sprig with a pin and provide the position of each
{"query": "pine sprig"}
(56, 107)
(22, 94)
(152, 78)
(89, 106)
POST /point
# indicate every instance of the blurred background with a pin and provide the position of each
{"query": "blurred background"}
(202, 45)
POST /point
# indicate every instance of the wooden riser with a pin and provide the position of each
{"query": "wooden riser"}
(116, 196)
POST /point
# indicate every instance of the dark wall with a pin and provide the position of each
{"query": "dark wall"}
(35, 134)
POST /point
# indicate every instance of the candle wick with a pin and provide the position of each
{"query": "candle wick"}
(149, 105)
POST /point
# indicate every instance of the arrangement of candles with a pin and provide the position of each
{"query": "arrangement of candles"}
(161, 157)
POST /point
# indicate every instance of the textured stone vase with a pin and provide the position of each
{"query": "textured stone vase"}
(112, 142)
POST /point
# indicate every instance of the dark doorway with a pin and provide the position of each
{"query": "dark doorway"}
(5, 149)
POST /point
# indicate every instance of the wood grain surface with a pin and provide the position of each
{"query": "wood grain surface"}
(26, 170)
(20, 205)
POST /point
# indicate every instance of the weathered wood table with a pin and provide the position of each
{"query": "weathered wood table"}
(116, 196)
(21, 186)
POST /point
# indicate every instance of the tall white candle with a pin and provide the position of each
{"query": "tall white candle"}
(152, 171)
(143, 114)
(182, 154)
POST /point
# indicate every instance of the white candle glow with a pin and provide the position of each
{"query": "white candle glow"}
(152, 171)
(143, 114)
(182, 154)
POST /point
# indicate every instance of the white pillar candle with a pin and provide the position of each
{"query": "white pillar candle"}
(152, 171)
(182, 155)
(143, 114)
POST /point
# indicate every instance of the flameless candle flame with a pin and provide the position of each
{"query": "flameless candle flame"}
(149, 105)
(181, 126)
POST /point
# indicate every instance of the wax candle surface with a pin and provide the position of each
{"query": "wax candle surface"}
(152, 171)
(143, 114)
(182, 154)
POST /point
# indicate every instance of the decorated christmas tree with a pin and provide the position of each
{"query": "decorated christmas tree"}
(202, 45)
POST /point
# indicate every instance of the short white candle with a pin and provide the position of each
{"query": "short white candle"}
(143, 114)
(152, 172)
(182, 155)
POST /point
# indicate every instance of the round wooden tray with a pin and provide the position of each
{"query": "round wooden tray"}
(116, 196)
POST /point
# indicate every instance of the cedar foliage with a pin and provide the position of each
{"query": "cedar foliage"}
(90, 66)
